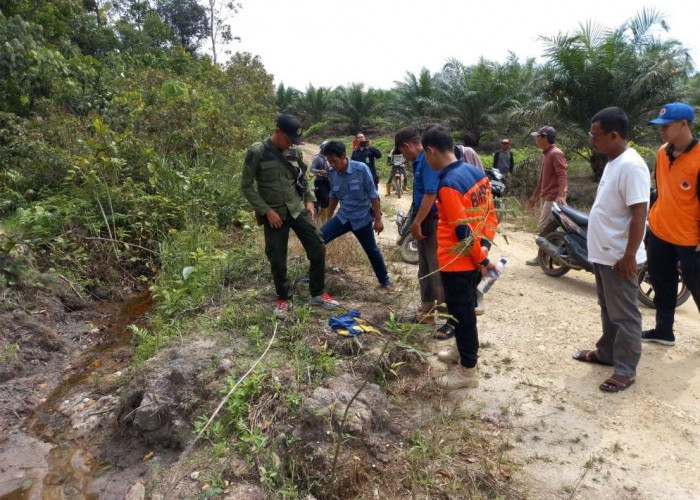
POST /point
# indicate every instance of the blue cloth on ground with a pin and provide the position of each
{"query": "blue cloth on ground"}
(347, 322)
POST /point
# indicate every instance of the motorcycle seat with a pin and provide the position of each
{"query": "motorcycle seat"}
(579, 218)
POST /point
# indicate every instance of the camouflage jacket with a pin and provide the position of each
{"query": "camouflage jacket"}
(268, 184)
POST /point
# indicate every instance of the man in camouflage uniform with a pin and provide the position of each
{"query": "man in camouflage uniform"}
(273, 182)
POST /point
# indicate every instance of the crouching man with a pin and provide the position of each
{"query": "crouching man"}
(466, 223)
(352, 186)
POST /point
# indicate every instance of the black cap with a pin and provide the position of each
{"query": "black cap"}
(291, 126)
(547, 131)
(405, 134)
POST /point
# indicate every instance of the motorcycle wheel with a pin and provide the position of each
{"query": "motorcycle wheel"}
(646, 291)
(396, 184)
(409, 250)
(547, 264)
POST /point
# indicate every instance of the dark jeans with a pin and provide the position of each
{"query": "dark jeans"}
(365, 235)
(276, 241)
(663, 261)
(460, 296)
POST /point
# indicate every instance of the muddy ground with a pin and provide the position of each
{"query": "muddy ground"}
(60, 411)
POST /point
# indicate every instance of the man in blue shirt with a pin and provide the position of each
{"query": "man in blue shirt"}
(424, 229)
(353, 187)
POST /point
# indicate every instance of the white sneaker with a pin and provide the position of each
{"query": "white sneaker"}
(480, 304)
(449, 356)
(324, 300)
(460, 378)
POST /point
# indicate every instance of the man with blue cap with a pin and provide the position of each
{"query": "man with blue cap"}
(674, 220)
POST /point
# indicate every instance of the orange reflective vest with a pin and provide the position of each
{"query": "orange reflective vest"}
(465, 209)
(675, 217)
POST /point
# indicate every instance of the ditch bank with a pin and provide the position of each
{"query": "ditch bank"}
(59, 394)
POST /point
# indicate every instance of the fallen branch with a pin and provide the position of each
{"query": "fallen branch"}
(123, 243)
(189, 447)
(578, 482)
(71, 285)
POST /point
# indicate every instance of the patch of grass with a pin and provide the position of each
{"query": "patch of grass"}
(452, 458)
(9, 352)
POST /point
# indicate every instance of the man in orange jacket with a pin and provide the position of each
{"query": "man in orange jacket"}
(466, 224)
(674, 220)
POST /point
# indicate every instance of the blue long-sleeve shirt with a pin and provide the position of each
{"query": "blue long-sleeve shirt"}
(354, 189)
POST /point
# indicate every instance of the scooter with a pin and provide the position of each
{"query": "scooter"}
(565, 248)
(406, 241)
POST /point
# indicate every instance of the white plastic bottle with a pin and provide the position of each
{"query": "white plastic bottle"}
(493, 275)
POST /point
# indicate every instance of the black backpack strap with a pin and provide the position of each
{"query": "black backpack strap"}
(297, 172)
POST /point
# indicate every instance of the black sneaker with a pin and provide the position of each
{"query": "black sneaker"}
(653, 336)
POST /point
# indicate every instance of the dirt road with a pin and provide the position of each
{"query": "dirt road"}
(639, 444)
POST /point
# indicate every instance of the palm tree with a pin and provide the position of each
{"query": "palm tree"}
(415, 96)
(315, 105)
(693, 90)
(356, 107)
(630, 67)
(287, 99)
(471, 98)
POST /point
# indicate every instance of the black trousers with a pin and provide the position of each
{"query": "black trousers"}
(276, 241)
(663, 258)
(322, 188)
(460, 297)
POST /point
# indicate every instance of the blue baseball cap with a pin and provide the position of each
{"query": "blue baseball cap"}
(673, 112)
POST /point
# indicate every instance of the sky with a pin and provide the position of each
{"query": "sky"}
(330, 43)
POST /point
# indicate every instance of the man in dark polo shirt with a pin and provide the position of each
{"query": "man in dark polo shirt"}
(366, 153)
(552, 185)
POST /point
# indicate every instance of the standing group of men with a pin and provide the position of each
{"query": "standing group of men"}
(454, 222)
(447, 192)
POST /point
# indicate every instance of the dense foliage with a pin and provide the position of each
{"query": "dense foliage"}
(116, 137)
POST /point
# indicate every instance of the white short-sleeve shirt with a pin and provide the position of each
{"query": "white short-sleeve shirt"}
(625, 182)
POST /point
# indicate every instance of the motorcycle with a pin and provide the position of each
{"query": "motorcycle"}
(498, 188)
(398, 174)
(406, 241)
(565, 248)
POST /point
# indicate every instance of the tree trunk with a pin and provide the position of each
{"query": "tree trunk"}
(212, 26)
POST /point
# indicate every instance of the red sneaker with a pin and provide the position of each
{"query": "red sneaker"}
(324, 300)
(282, 308)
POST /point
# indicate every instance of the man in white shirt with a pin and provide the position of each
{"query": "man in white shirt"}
(615, 233)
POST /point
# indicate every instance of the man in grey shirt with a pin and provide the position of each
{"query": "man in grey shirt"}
(503, 159)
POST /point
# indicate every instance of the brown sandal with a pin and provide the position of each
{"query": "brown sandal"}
(618, 384)
(589, 356)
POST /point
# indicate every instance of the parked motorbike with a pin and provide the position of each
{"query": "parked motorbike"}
(406, 241)
(565, 248)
